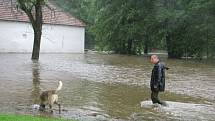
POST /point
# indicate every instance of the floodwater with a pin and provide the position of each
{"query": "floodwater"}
(106, 87)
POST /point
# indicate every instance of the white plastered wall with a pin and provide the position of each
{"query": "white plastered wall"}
(18, 37)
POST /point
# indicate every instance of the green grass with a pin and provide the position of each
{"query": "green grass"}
(28, 118)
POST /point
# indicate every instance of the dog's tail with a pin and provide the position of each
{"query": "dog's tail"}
(60, 84)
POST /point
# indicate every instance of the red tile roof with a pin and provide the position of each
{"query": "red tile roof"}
(51, 14)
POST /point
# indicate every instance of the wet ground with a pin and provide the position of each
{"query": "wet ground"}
(106, 87)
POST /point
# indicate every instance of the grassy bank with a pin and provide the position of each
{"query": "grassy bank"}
(27, 118)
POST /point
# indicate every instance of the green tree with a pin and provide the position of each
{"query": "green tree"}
(188, 27)
(182, 27)
(202, 14)
(124, 26)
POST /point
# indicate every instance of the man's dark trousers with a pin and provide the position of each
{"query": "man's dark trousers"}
(155, 98)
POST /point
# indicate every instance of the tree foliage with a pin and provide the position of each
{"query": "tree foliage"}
(185, 28)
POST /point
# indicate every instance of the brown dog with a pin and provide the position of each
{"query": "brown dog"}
(50, 97)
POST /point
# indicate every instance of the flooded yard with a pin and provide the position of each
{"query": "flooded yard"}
(106, 87)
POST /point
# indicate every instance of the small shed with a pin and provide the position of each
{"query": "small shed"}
(62, 32)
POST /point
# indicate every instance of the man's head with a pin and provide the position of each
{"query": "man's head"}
(154, 59)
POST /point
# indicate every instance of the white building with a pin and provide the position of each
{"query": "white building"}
(62, 33)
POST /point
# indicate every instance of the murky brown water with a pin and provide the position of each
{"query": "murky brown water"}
(106, 87)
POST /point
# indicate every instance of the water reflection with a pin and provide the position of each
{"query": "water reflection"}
(36, 82)
(116, 97)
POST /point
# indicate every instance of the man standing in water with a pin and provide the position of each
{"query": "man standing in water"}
(157, 82)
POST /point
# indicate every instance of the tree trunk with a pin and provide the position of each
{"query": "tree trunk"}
(146, 45)
(36, 46)
(168, 43)
(173, 50)
(129, 50)
(37, 26)
(146, 49)
(171, 47)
